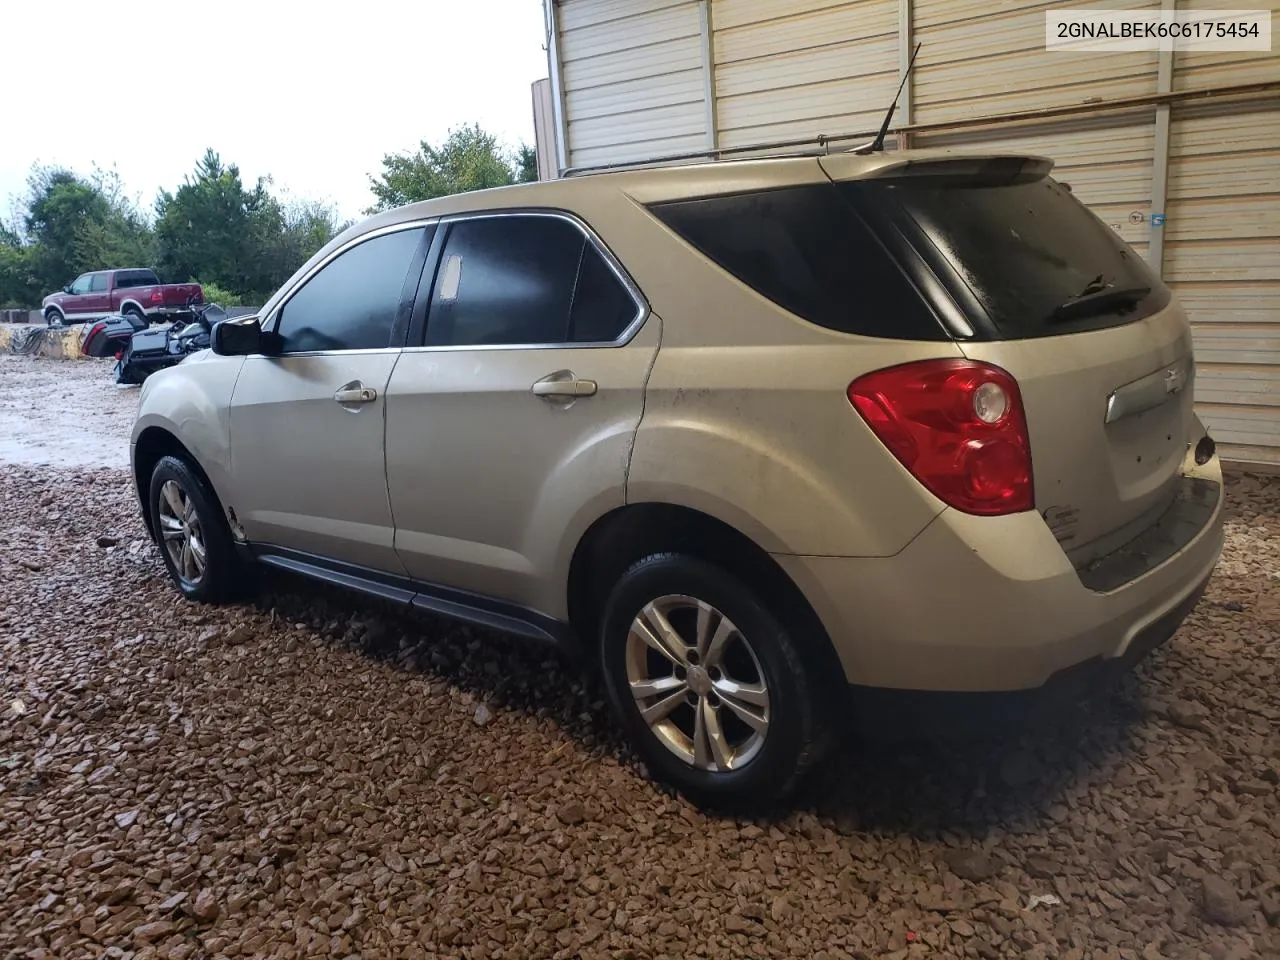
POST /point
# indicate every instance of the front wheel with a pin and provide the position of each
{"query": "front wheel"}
(708, 683)
(53, 318)
(193, 536)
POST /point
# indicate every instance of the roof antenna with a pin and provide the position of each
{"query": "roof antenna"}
(877, 145)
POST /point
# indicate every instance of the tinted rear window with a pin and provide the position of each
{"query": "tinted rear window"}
(811, 254)
(1022, 250)
(136, 278)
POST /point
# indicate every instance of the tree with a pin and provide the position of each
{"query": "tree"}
(213, 228)
(74, 224)
(526, 164)
(19, 287)
(123, 238)
(306, 227)
(469, 159)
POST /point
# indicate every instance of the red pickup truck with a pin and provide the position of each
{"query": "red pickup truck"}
(106, 292)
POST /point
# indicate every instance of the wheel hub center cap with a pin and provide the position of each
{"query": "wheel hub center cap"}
(699, 681)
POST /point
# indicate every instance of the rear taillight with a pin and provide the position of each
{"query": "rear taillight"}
(157, 295)
(958, 426)
(96, 329)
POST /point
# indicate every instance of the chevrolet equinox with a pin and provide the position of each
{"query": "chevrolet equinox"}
(755, 435)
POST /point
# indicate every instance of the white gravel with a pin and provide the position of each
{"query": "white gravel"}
(312, 775)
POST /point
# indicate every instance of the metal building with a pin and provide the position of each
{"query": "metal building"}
(1178, 152)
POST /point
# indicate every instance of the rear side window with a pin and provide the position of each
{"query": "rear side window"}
(1024, 250)
(808, 252)
(351, 302)
(523, 280)
(602, 306)
(136, 278)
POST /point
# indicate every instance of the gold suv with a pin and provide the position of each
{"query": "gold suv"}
(752, 434)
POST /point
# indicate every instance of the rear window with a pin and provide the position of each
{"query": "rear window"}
(811, 254)
(1021, 251)
(136, 278)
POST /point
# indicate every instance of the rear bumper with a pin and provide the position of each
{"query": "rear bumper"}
(993, 604)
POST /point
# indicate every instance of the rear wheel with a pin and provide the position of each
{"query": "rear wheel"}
(193, 536)
(135, 316)
(708, 683)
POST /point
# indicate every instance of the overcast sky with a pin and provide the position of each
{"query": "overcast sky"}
(311, 93)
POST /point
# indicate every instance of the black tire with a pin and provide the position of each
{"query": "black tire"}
(54, 318)
(220, 577)
(136, 316)
(794, 739)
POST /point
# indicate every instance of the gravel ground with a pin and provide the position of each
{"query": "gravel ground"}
(65, 413)
(312, 775)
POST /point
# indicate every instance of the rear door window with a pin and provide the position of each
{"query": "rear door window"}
(811, 254)
(136, 278)
(1023, 250)
(524, 280)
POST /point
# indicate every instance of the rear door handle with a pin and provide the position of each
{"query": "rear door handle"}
(355, 393)
(564, 385)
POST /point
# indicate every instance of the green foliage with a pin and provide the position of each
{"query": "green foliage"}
(70, 224)
(216, 230)
(241, 242)
(19, 286)
(526, 164)
(469, 159)
(221, 296)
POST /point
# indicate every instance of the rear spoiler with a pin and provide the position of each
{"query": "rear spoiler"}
(988, 170)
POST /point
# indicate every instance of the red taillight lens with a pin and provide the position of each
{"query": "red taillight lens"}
(157, 296)
(96, 329)
(958, 426)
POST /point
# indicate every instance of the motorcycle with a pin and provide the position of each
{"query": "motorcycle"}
(140, 350)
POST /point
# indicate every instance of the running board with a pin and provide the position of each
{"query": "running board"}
(446, 601)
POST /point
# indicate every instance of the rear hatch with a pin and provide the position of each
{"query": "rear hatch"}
(1041, 287)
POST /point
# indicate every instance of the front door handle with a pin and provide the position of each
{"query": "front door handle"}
(564, 385)
(355, 392)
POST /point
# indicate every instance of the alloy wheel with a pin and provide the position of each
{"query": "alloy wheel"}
(182, 533)
(697, 683)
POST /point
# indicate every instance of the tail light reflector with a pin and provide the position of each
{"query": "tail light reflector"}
(96, 329)
(157, 295)
(958, 426)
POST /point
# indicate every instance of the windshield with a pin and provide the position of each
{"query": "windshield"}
(1022, 252)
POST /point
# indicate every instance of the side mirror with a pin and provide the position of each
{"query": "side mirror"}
(67, 288)
(239, 337)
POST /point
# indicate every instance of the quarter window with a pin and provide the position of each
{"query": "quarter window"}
(351, 303)
(811, 254)
(523, 280)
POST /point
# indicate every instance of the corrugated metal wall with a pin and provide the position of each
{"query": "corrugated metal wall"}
(632, 78)
(1222, 256)
(981, 57)
(785, 70)
(636, 77)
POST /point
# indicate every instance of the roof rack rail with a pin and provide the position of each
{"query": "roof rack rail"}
(777, 149)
